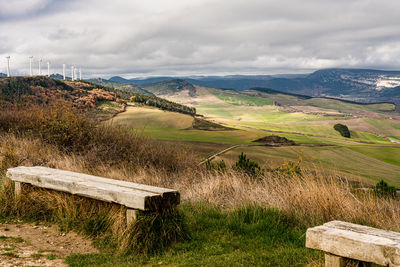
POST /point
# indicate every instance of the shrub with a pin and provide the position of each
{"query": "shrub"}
(71, 130)
(220, 166)
(342, 129)
(382, 189)
(248, 166)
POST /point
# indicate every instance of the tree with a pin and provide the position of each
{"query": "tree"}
(342, 129)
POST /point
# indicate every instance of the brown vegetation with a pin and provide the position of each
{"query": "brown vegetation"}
(60, 137)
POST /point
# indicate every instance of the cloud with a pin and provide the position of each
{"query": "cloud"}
(21, 7)
(179, 37)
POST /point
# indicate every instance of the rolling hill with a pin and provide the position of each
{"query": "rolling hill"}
(121, 86)
(362, 85)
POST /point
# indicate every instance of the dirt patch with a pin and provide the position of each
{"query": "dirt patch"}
(39, 245)
(274, 140)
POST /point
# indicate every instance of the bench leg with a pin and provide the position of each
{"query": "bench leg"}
(17, 190)
(334, 261)
(337, 261)
(130, 216)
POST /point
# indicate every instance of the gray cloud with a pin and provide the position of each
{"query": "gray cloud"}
(179, 37)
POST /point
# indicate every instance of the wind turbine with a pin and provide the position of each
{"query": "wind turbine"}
(75, 76)
(63, 71)
(72, 73)
(48, 68)
(8, 66)
(30, 65)
(80, 74)
(40, 66)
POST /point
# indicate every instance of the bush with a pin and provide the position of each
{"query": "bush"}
(342, 129)
(382, 189)
(248, 166)
(74, 132)
(220, 166)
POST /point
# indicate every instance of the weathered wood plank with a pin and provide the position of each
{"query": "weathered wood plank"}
(131, 216)
(78, 185)
(17, 190)
(357, 242)
(334, 261)
(170, 196)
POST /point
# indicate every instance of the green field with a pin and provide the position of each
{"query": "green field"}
(367, 156)
(326, 103)
(146, 117)
(234, 98)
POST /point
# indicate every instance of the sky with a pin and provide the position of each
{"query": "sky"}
(137, 38)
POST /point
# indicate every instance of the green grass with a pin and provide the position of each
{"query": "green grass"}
(247, 236)
(387, 154)
(255, 122)
(353, 161)
(237, 99)
(368, 137)
(10, 254)
(12, 239)
(326, 103)
(346, 106)
(143, 117)
(265, 114)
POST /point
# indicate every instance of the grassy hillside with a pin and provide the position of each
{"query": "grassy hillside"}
(169, 87)
(121, 86)
(285, 99)
(228, 216)
(303, 119)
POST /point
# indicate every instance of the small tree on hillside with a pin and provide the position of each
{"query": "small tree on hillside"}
(248, 166)
(382, 189)
(342, 129)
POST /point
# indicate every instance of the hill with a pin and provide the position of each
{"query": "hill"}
(228, 215)
(121, 86)
(170, 87)
(361, 85)
(140, 81)
(183, 92)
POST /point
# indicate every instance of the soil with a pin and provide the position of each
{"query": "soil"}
(39, 245)
(274, 140)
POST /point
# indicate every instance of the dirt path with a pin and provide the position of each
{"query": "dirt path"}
(39, 245)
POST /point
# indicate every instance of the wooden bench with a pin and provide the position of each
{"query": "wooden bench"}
(345, 242)
(133, 196)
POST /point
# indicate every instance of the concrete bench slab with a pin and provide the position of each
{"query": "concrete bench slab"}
(131, 195)
(352, 241)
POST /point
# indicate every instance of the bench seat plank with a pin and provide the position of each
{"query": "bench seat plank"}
(131, 195)
(357, 242)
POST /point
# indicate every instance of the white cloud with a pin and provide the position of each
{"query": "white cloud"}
(9, 8)
(200, 36)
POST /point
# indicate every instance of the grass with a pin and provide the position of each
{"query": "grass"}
(226, 217)
(326, 103)
(12, 239)
(353, 161)
(387, 154)
(145, 117)
(249, 235)
(10, 254)
(236, 99)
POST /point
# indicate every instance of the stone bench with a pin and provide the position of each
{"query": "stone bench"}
(345, 242)
(133, 196)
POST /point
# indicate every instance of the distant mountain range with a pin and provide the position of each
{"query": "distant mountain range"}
(362, 85)
(3, 75)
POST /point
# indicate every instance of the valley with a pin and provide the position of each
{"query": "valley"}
(369, 155)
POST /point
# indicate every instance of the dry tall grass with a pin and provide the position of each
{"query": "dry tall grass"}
(315, 197)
